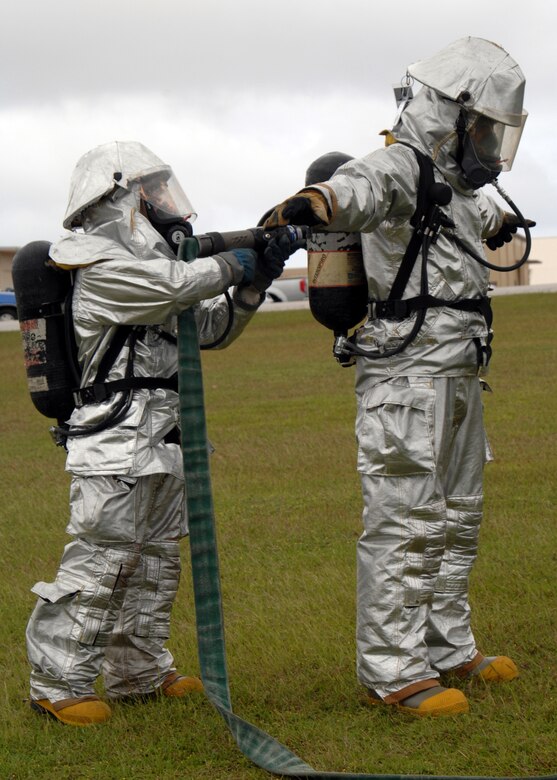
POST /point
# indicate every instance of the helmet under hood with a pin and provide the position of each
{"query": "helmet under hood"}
(479, 74)
(133, 167)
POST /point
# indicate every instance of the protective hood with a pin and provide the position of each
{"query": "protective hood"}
(119, 164)
(112, 229)
(429, 123)
(468, 116)
(111, 190)
(480, 75)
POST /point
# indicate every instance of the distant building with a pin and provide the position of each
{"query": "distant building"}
(544, 260)
(509, 254)
(6, 256)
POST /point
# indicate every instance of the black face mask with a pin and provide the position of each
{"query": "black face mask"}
(475, 172)
(173, 229)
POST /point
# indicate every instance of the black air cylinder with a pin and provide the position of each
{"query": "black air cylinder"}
(41, 291)
(337, 283)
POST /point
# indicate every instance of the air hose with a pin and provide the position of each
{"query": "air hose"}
(258, 746)
(522, 223)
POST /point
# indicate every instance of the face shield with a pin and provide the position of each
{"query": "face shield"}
(165, 205)
(494, 143)
(487, 147)
(163, 192)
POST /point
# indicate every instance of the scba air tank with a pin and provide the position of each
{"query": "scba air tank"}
(337, 282)
(41, 291)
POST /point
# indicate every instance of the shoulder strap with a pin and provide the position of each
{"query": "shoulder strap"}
(425, 181)
(69, 337)
(107, 361)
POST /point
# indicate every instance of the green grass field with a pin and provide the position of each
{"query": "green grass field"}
(287, 499)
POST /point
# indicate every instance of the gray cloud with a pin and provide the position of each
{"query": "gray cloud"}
(239, 97)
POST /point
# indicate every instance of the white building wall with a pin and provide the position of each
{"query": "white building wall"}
(544, 249)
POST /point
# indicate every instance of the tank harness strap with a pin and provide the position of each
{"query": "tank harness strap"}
(100, 390)
(121, 336)
(401, 309)
(408, 261)
(96, 393)
(70, 342)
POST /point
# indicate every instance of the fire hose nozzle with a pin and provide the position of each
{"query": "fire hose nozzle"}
(207, 244)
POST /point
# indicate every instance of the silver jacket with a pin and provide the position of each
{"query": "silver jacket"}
(376, 195)
(125, 274)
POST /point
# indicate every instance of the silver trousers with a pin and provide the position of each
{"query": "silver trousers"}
(108, 610)
(421, 452)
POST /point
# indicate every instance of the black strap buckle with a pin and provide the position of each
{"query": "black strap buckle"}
(388, 310)
(94, 394)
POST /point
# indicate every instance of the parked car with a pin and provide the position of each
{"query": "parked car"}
(8, 310)
(291, 286)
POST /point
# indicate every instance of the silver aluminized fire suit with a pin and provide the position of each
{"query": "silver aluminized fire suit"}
(109, 607)
(421, 440)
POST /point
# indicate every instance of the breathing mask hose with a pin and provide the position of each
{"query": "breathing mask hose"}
(119, 411)
(63, 431)
(523, 224)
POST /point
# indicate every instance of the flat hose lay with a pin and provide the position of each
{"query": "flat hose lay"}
(265, 751)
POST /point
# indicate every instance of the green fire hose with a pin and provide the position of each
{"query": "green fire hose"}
(255, 744)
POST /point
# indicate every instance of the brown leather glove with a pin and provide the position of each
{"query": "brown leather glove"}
(308, 207)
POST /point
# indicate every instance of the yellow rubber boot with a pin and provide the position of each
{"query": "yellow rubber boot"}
(85, 711)
(176, 684)
(439, 703)
(430, 703)
(495, 668)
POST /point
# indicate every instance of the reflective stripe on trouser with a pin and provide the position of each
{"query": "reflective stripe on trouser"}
(114, 590)
(421, 453)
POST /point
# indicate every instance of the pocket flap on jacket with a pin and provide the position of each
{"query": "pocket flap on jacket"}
(399, 395)
(55, 591)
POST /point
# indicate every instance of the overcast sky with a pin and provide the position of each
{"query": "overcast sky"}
(239, 97)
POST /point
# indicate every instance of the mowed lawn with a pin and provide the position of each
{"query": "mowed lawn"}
(287, 502)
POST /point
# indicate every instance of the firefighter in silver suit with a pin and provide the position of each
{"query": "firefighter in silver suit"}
(108, 610)
(421, 441)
